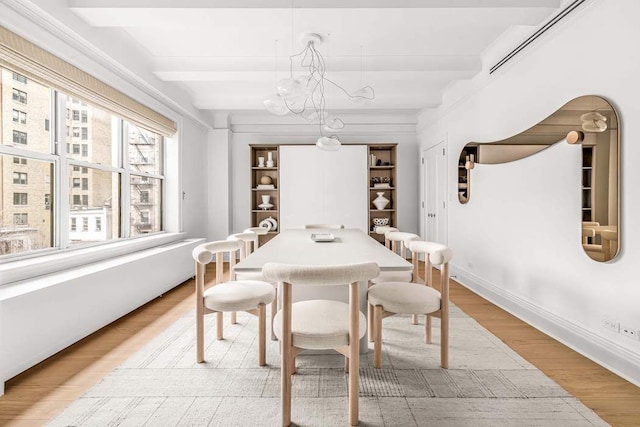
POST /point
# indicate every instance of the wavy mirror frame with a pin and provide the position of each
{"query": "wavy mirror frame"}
(589, 122)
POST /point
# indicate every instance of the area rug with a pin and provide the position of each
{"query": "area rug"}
(487, 384)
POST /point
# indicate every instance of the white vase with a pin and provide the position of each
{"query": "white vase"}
(270, 162)
(380, 202)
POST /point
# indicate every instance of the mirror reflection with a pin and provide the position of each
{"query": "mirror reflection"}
(590, 121)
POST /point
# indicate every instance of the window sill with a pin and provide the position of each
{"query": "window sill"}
(25, 269)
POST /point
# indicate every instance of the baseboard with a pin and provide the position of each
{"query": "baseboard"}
(602, 351)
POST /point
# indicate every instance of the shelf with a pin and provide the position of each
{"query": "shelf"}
(264, 189)
(257, 168)
(586, 188)
(381, 189)
(382, 167)
(382, 210)
(264, 210)
(587, 167)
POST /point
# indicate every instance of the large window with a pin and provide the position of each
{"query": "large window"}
(106, 159)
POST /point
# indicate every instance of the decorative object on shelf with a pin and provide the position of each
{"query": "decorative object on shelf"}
(373, 159)
(265, 224)
(379, 222)
(463, 196)
(270, 162)
(305, 95)
(266, 187)
(260, 162)
(274, 223)
(266, 180)
(381, 202)
(265, 203)
(381, 182)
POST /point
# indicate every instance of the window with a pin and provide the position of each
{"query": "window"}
(20, 198)
(93, 170)
(19, 116)
(19, 77)
(19, 96)
(20, 178)
(20, 219)
(19, 137)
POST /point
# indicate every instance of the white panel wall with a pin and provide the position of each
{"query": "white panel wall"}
(323, 187)
(518, 239)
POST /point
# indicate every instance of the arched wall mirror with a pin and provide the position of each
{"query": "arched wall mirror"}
(591, 122)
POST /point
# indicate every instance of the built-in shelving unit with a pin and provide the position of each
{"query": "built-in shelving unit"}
(588, 178)
(382, 179)
(259, 195)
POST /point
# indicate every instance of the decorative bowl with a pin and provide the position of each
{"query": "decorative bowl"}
(380, 221)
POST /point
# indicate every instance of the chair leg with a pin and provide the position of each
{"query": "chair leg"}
(354, 355)
(199, 335)
(346, 365)
(444, 341)
(427, 330)
(274, 310)
(219, 325)
(286, 355)
(262, 334)
(234, 319)
(377, 336)
(414, 319)
(370, 322)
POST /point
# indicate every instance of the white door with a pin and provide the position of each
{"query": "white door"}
(435, 186)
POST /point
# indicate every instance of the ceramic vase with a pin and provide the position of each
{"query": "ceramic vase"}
(270, 162)
(380, 202)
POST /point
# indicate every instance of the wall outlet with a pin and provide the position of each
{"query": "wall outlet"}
(611, 325)
(629, 332)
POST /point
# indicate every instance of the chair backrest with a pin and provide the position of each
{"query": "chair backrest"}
(401, 237)
(384, 229)
(434, 253)
(320, 275)
(588, 233)
(203, 254)
(325, 226)
(247, 238)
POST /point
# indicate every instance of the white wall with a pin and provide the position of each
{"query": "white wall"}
(518, 239)
(365, 128)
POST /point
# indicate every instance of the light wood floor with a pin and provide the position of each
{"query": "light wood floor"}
(39, 394)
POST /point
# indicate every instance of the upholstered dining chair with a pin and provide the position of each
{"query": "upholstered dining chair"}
(325, 226)
(384, 229)
(392, 298)
(260, 231)
(320, 324)
(249, 296)
(250, 239)
(400, 241)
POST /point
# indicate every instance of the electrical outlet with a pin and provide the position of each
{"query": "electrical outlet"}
(611, 325)
(629, 332)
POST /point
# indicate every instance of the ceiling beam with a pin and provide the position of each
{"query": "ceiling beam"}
(310, 4)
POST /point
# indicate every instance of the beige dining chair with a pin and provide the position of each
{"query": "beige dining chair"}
(250, 296)
(324, 226)
(250, 239)
(608, 236)
(594, 250)
(320, 324)
(260, 231)
(388, 299)
(384, 229)
(400, 241)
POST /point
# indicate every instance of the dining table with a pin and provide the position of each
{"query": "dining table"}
(329, 247)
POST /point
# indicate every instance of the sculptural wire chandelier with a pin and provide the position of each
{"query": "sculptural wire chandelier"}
(305, 95)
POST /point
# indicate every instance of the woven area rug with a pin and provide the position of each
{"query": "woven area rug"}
(487, 384)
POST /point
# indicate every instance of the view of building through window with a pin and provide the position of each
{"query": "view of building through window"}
(97, 156)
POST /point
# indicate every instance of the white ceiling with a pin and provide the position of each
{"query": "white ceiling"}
(222, 52)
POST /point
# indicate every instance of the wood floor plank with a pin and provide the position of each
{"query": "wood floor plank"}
(39, 394)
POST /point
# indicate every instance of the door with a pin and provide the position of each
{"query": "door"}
(435, 185)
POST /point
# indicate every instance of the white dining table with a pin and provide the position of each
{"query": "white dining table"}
(349, 246)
